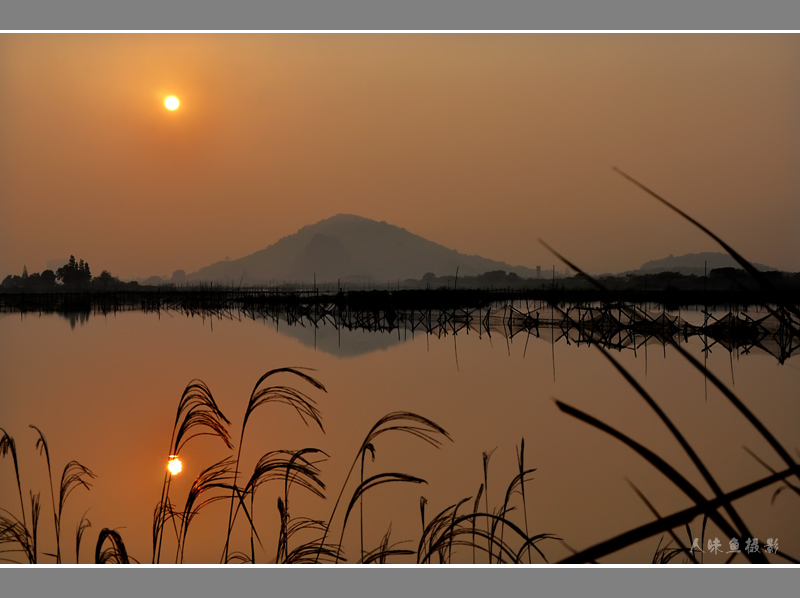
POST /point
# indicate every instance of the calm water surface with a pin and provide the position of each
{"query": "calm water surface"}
(105, 393)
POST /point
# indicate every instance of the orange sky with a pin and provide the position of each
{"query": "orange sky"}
(481, 142)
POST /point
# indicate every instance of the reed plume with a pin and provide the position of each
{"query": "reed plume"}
(302, 404)
(197, 415)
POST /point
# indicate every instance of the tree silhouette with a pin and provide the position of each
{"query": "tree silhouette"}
(48, 278)
(74, 274)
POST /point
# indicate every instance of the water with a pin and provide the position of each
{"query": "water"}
(105, 393)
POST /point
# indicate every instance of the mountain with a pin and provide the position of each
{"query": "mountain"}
(341, 342)
(350, 249)
(692, 263)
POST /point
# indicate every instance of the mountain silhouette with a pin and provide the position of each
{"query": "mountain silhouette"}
(692, 263)
(351, 249)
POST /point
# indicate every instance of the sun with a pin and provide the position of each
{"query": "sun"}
(175, 466)
(172, 103)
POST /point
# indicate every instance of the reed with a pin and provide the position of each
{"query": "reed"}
(476, 531)
(385, 550)
(14, 533)
(398, 421)
(214, 477)
(116, 552)
(83, 524)
(290, 467)
(303, 405)
(197, 415)
(7, 445)
(19, 531)
(41, 444)
(666, 554)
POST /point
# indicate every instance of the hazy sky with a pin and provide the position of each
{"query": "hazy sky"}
(481, 142)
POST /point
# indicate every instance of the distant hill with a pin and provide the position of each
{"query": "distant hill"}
(692, 263)
(350, 249)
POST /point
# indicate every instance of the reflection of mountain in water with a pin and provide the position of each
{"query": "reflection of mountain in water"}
(341, 341)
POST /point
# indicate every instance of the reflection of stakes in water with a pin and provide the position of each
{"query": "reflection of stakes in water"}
(645, 354)
(455, 349)
(487, 327)
(525, 350)
(611, 325)
(507, 321)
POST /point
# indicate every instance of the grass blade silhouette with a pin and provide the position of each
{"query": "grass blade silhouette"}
(741, 407)
(657, 515)
(665, 468)
(734, 515)
(683, 517)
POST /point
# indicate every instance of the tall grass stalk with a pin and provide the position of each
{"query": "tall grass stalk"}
(522, 474)
(83, 524)
(7, 445)
(384, 550)
(371, 450)
(41, 444)
(197, 415)
(17, 531)
(289, 467)
(517, 485)
(74, 476)
(373, 482)
(302, 404)
(215, 476)
(501, 551)
(399, 421)
(486, 457)
(475, 510)
(115, 553)
(35, 512)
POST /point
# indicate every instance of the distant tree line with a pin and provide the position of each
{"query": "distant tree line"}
(498, 279)
(718, 279)
(74, 275)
